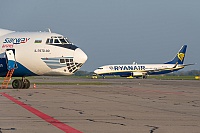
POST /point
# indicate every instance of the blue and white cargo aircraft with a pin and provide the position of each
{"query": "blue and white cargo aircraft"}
(37, 53)
(142, 70)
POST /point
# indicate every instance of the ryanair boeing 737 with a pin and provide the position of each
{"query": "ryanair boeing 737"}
(142, 70)
(25, 54)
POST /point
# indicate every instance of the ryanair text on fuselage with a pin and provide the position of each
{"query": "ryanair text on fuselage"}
(129, 67)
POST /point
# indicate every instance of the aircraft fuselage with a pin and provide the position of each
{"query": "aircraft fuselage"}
(40, 53)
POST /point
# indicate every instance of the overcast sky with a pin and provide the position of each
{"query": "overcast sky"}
(113, 31)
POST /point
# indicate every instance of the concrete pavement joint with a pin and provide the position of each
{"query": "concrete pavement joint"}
(153, 128)
(156, 108)
(79, 111)
(106, 122)
(123, 117)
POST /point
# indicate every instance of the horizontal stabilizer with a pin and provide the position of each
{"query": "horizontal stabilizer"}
(189, 64)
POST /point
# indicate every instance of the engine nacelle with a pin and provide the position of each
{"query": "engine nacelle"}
(138, 74)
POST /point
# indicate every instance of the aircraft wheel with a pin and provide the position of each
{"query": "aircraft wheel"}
(26, 84)
(144, 76)
(17, 84)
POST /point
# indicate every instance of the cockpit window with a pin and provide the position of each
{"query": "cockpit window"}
(63, 41)
(51, 40)
(47, 41)
(57, 40)
(100, 68)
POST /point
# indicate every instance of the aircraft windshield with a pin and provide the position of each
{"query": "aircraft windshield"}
(58, 40)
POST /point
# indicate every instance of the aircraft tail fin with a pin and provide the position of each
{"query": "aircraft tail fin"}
(179, 58)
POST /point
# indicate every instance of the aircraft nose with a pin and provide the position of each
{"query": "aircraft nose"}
(79, 56)
(96, 71)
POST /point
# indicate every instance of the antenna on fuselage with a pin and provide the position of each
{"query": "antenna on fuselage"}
(49, 30)
(134, 63)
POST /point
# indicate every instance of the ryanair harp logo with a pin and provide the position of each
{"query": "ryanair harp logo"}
(181, 56)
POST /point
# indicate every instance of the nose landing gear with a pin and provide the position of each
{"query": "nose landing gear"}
(21, 83)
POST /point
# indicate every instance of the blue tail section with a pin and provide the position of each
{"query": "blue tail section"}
(179, 58)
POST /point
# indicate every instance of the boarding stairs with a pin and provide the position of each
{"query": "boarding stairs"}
(7, 79)
(11, 66)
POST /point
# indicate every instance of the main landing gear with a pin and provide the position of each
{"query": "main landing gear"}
(144, 76)
(21, 83)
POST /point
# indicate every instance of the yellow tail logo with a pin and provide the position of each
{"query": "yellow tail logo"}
(181, 56)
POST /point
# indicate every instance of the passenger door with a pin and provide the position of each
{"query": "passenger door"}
(10, 57)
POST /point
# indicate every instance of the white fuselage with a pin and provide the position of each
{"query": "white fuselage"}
(41, 53)
(142, 70)
(137, 70)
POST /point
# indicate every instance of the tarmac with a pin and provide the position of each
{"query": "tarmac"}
(115, 106)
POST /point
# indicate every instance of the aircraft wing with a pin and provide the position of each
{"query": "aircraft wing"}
(175, 67)
(165, 69)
